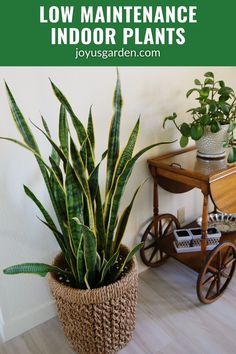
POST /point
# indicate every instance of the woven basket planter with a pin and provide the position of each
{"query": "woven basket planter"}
(100, 320)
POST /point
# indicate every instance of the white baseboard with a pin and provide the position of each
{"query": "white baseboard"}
(17, 326)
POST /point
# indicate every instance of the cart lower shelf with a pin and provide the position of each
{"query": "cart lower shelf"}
(191, 259)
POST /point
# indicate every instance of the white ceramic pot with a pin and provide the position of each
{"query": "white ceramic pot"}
(211, 144)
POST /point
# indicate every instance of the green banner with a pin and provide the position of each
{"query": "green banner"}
(120, 33)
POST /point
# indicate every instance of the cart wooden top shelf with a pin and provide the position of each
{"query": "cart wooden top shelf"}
(181, 171)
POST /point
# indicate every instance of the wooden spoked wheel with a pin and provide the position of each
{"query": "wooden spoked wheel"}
(217, 272)
(151, 253)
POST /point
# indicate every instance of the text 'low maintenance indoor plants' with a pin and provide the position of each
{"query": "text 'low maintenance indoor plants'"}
(94, 279)
(213, 120)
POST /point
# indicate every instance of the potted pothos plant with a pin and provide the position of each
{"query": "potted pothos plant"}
(213, 119)
(94, 278)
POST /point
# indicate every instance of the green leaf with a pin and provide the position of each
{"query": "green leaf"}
(196, 131)
(213, 107)
(232, 155)
(118, 192)
(185, 129)
(100, 225)
(184, 141)
(108, 266)
(90, 251)
(128, 259)
(225, 91)
(78, 166)
(204, 92)
(34, 268)
(209, 74)
(128, 150)
(225, 107)
(31, 144)
(54, 145)
(56, 170)
(41, 162)
(191, 91)
(208, 82)
(120, 230)
(197, 82)
(114, 135)
(58, 235)
(59, 197)
(86, 153)
(54, 154)
(205, 119)
(80, 130)
(90, 129)
(224, 98)
(121, 162)
(215, 126)
(46, 215)
(45, 126)
(80, 266)
(93, 179)
(63, 131)
(21, 122)
(74, 205)
(222, 84)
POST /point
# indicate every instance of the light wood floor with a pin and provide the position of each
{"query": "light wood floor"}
(170, 320)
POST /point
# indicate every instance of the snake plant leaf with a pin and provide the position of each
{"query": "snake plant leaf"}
(93, 178)
(87, 152)
(96, 194)
(54, 154)
(100, 225)
(79, 170)
(63, 131)
(127, 259)
(46, 215)
(60, 197)
(114, 135)
(90, 130)
(80, 265)
(54, 145)
(39, 159)
(34, 268)
(108, 265)
(78, 166)
(59, 237)
(118, 192)
(99, 262)
(80, 130)
(21, 122)
(121, 162)
(128, 150)
(56, 170)
(74, 205)
(90, 251)
(30, 142)
(120, 230)
(45, 125)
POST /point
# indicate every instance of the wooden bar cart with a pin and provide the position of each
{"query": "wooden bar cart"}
(180, 172)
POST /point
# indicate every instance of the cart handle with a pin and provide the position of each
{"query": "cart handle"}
(174, 164)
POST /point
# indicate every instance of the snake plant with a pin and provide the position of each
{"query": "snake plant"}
(89, 231)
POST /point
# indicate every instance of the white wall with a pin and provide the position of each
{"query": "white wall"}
(152, 92)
